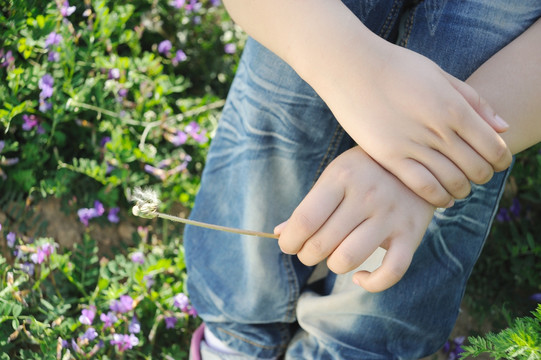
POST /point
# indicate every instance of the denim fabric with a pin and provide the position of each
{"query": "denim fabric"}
(274, 139)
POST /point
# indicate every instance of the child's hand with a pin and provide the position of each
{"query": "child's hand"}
(355, 207)
(432, 131)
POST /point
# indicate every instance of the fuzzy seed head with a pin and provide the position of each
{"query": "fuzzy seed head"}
(146, 203)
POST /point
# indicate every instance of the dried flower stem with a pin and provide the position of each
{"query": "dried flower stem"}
(147, 203)
(216, 227)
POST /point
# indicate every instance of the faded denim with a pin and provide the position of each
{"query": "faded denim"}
(274, 139)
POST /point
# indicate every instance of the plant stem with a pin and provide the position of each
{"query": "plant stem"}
(216, 227)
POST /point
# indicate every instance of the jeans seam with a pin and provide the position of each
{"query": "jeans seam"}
(387, 25)
(408, 27)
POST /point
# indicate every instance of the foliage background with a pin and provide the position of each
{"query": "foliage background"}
(100, 96)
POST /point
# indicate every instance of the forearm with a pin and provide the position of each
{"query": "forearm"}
(314, 37)
(511, 82)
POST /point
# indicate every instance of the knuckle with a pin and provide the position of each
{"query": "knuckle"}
(460, 188)
(303, 224)
(315, 247)
(341, 262)
(432, 192)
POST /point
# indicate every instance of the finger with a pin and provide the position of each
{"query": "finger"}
(310, 215)
(351, 212)
(422, 182)
(357, 246)
(446, 172)
(479, 104)
(395, 264)
(473, 166)
(479, 134)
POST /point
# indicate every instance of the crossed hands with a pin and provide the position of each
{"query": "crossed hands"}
(423, 136)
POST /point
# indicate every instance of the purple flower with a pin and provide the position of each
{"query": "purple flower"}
(230, 48)
(194, 130)
(194, 5)
(135, 326)
(6, 59)
(179, 138)
(149, 281)
(515, 207)
(2, 145)
(98, 207)
(46, 85)
(85, 215)
(536, 297)
(112, 216)
(114, 74)
(170, 322)
(30, 121)
(180, 56)
(122, 93)
(104, 140)
(42, 253)
(164, 47)
(124, 341)
(123, 305)
(28, 268)
(215, 2)
(90, 334)
(159, 173)
(87, 315)
(66, 9)
(53, 39)
(53, 56)
(11, 237)
(503, 215)
(181, 301)
(178, 4)
(44, 106)
(138, 257)
(108, 319)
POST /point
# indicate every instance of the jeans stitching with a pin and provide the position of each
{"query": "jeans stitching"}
(408, 28)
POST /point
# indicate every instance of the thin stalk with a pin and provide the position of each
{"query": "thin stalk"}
(216, 227)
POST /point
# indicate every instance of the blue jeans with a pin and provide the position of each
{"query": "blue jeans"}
(274, 139)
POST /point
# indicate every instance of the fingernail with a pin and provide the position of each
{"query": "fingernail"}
(500, 122)
(450, 204)
(278, 229)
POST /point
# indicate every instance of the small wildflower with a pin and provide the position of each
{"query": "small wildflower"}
(112, 216)
(114, 74)
(46, 85)
(42, 253)
(164, 47)
(138, 257)
(108, 319)
(28, 268)
(135, 326)
(181, 301)
(178, 139)
(104, 140)
(124, 341)
(193, 6)
(170, 322)
(87, 315)
(11, 239)
(159, 173)
(230, 48)
(123, 305)
(149, 281)
(178, 4)
(536, 297)
(503, 215)
(53, 39)
(180, 56)
(30, 121)
(53, 56)
(44, 106)
(66, 10)
(215, 2)
(90, 334)
(2, 145)
(7, 59)
(515, 207)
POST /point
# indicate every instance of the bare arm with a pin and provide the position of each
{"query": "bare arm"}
(367, 83)
(511, 81)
